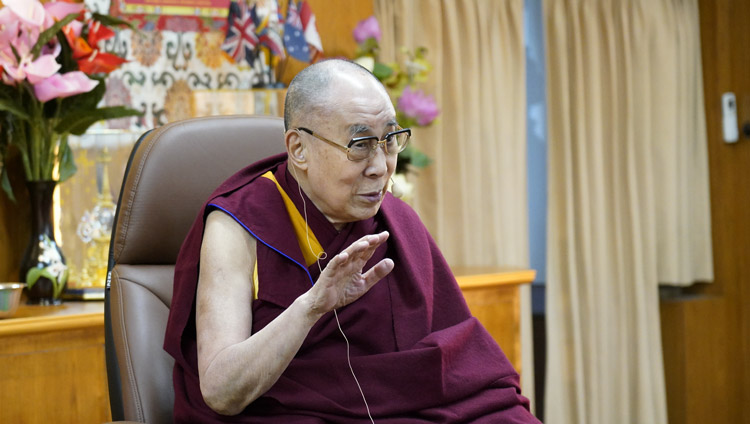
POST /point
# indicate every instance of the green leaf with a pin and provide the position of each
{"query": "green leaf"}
(419, 159)
(368, 47)
(11, 106)
(60, 285)
(65, 58)
(420, 52)
(67, 163)
(8, 91)
(111, 21)
(5, 181)
(382, 71)
(79, 121)
(32, 276)
(50, 33)
(406, 121)
(49, 275)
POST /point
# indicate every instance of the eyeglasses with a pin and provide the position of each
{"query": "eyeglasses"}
(361, 148)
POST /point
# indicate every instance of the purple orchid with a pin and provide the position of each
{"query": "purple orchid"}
(417, 105)
(368, 28)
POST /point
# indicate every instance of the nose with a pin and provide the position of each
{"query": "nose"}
(377, 164)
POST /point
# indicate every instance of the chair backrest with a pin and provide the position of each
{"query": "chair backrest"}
(171, 172)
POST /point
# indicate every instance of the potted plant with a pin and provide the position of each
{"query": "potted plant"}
(413, 107)
(53, 74)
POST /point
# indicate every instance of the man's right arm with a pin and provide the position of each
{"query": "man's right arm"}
(235, 366)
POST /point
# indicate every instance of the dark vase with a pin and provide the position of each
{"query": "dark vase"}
(43, 260)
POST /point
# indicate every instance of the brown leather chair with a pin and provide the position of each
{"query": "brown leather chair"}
(171, 172)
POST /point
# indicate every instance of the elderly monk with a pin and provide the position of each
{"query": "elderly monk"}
(295, 251)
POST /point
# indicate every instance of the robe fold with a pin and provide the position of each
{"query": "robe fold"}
(417, 352)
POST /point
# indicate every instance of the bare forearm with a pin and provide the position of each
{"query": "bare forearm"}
(242, 372)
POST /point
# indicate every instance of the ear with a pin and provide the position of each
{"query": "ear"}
(296, 148)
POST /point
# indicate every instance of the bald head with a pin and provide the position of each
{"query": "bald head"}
(309, 93)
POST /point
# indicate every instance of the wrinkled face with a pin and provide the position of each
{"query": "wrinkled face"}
(347, 191)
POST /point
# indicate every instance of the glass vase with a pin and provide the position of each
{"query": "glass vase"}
(43, 266)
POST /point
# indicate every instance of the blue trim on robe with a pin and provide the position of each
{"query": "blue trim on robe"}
(312, 283)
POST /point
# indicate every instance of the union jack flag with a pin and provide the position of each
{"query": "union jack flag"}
(241, 39)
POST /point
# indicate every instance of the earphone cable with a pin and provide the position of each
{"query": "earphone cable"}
(320, 256)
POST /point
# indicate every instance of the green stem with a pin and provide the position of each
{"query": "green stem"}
(21, 134)
(37, 138)
(54, 138)
(49, 162)
(36, 148)
(20, 131)
(63, 146)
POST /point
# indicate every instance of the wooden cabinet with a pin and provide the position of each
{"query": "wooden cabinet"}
(52, 366)
(494, 298)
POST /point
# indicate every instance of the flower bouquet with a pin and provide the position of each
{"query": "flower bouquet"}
(53, 72)
(413, 107)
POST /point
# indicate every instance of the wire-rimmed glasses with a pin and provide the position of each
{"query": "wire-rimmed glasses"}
(361, 148)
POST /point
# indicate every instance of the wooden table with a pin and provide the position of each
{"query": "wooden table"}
(52, 367)
(494, 298)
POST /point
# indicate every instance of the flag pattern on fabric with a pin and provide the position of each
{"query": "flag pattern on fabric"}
(294, 35)
(241, 38)
(310, 28)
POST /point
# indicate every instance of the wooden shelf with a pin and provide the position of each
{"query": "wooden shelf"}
(30, 319)
(480, 277)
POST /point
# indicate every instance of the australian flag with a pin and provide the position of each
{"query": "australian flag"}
(294, 35)
(241, 39)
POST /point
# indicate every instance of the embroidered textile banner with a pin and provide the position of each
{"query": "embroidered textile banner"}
(173, 15)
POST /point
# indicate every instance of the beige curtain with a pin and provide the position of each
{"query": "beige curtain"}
(473, 197)
(628, 199)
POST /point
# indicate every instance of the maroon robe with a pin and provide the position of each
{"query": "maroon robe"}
(418, 353)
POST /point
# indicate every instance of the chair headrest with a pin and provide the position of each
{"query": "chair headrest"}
(172, 171)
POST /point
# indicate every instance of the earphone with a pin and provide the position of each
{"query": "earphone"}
(396, 189)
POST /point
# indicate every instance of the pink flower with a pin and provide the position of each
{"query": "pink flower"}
(15, 35)
(30, 12)
(21, 21)
(368, 28)
(417, 105)
(64, 85)
(61, 9)
(35, 71)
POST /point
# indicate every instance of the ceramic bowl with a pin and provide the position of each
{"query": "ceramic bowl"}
(10, 297)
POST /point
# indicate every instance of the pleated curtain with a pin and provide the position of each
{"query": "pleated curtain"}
(472, 197)
(628, 199)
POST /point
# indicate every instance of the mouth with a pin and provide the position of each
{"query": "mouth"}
(372, 196)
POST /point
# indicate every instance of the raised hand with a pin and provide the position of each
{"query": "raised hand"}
(343, 281)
